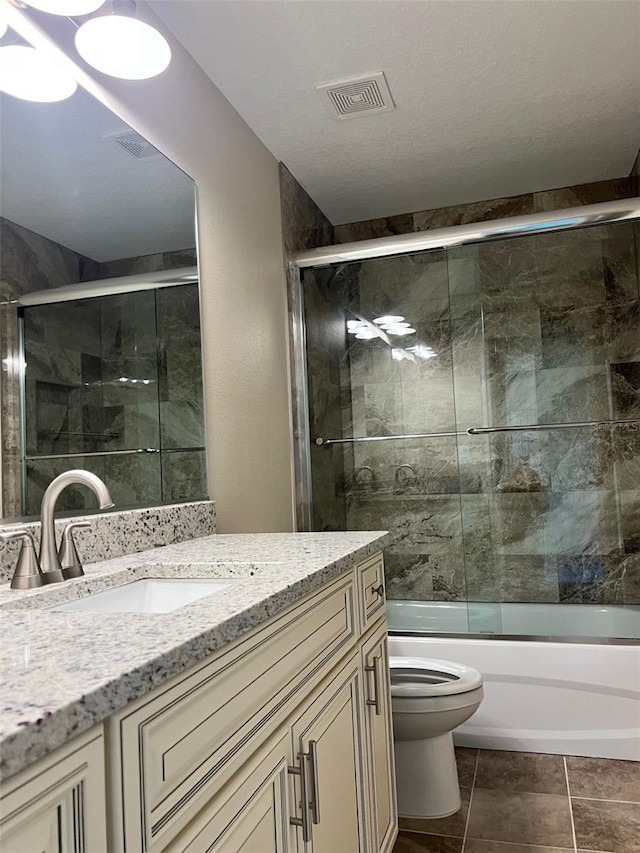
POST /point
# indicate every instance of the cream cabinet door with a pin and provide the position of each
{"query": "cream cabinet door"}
(379, 742)
(58, 804)
(251, 814)
(329, 787)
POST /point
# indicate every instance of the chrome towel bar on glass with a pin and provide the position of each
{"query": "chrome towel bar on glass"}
(323, 442)
(137, 450)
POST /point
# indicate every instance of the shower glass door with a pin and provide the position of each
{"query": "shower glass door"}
(549, 337)
(496, 433)
(371, 378)
(113, 384)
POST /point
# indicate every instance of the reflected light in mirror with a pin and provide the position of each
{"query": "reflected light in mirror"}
(66, 7)
(123, 47)
(388, 318)
(32, 75)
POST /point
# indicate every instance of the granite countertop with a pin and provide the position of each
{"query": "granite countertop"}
(63, 672)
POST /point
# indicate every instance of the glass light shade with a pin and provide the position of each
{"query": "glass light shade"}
(389, 318)
(400, 330)
(3, 28)
(69, 8)
(123, 47)
(33, 75)
(395, 325)
(356, 324)
(366, 335)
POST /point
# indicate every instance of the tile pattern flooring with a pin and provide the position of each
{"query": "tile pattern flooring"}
(519, 802)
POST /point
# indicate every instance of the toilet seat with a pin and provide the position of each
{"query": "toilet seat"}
(419, 678)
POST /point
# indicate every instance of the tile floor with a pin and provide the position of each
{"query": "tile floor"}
(520, 802)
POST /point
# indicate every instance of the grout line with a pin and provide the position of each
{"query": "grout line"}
(473, 787)
(573, 826)
(607, 800)
(509, 845)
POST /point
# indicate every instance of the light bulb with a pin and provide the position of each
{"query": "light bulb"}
(123, 47)
(69, 8)
(33, 75)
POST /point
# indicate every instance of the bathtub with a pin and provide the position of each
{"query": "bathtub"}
(580, 622)
(571, 698)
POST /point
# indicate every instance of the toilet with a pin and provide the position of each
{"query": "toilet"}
(429, 698)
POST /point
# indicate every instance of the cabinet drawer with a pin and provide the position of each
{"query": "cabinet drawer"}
(371, 590)
(178, 746)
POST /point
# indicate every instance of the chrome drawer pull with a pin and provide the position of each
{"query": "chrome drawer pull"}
(375, 702)
(304, 821)
(315, 792)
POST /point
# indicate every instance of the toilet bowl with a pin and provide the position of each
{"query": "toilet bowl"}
(429, 699)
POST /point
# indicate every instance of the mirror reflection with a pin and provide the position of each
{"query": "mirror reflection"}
(99, 321)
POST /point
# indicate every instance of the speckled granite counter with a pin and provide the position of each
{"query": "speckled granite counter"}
(64, 672)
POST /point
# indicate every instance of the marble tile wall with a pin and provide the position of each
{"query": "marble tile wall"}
(28, 262)
(180, 368)
(496, 208)
(535, 331)
(92, 270)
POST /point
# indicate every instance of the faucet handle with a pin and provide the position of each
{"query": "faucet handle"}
(69, 557)
(28, 573)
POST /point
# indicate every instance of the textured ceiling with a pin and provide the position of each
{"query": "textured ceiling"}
(493, 98)
(63, 176)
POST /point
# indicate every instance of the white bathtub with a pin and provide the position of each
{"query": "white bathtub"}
(554, 697)
(547, 620)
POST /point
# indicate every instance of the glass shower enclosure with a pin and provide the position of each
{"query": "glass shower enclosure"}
(113, 384)
(482, 402)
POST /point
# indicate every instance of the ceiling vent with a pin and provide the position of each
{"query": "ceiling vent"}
(356, 97)
(136, 145)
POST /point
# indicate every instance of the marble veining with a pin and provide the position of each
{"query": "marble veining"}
(65, 672)
(114, 534)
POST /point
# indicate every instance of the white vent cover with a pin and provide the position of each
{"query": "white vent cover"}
(136, 145)
(352, 98)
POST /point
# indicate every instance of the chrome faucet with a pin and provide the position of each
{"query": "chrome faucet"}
(49, 559)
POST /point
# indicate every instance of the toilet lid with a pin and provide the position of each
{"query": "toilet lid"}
(419, 677)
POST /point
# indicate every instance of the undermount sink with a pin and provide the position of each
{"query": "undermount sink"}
(151, 595)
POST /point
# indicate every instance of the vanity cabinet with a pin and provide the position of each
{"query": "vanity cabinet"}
(279, 742)
(58, 804)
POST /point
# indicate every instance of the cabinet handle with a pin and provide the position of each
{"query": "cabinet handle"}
(375, 702)
(315, 791)
(378, 590)
(303, 821)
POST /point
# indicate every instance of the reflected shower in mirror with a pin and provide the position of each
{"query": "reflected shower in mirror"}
(99, 315)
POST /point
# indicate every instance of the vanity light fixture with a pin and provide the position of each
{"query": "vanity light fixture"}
(34, 75)
(123, 46)
(69, 8)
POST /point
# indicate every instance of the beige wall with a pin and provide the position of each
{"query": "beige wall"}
(243, 297)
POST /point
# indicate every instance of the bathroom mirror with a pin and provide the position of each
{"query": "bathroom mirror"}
(99, 316)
